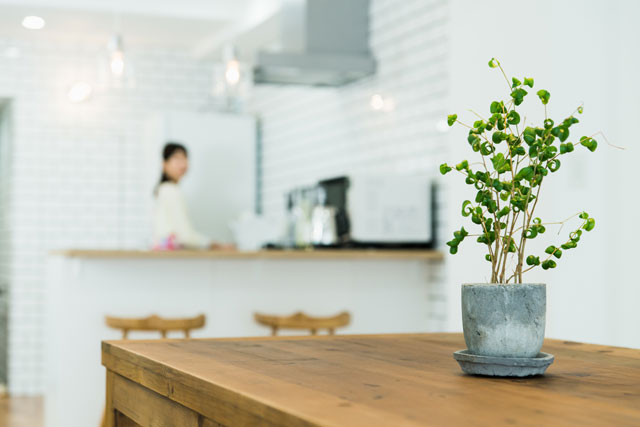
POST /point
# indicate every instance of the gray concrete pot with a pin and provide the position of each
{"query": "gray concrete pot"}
(504, 320)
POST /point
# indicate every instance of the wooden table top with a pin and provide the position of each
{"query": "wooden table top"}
(289, 254)
(378, 380)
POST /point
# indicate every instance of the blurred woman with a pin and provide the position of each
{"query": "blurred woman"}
(172, 228)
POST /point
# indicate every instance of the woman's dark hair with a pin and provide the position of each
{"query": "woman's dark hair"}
(170, 148)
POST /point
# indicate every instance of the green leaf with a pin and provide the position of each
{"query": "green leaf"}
(544, 96)
(533, 260)
(517, 151)
(451, 119)
(525, 173)
(548, 153)
(487, 148)
(463, 165)
(444, 169)
(529, 135)
(515, 82)
(528, 81)
(574, 236)
(580, 109)
(493, 63)
(557, 253)
(458, 237)
(504, 211)
(562, 132)
(500, 164)
(496, 107)
(513, 118)
(550, 249)
(487, 257)
(531, 233)
(548, 264)
(569, 121)
(473, 138)
(590, 224)
(498, 137)
(566, 148)
(465, 211)
(590, 143)
(584, 215)
(548, 124)
(553, 165)
(518, 95)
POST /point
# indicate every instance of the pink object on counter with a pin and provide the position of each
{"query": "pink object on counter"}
(167, 244)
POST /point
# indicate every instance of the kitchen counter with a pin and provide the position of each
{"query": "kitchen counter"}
(375, 380)
(384, 291)
(263, 254)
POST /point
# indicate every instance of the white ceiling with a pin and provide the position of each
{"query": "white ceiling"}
(198, 25)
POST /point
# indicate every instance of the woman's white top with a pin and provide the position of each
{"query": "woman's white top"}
(172, 218)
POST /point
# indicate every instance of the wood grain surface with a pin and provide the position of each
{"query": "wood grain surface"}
(264, 254)
(378, 380)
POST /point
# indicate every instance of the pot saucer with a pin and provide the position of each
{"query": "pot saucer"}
(503, 366)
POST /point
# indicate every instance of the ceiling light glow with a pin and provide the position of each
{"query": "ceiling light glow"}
(117, 63)
(33, 22)
(79, 92)
(232, 72)
(376, 102)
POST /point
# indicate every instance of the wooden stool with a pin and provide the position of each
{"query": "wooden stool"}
(300, 320)
(156, 323)
(153, 323)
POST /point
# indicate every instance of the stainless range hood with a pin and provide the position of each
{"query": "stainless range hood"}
(320, 43)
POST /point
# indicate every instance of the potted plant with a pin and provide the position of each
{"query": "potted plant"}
(506, 317)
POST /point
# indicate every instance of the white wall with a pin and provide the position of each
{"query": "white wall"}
(75, 180)
(581, 51)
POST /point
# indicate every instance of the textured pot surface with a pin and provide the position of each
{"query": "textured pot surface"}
(504, 320)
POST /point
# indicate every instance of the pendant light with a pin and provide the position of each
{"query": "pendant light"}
(232, 81)
(119, 67)
(116, 56)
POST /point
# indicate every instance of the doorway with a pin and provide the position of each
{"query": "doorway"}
(5, 241)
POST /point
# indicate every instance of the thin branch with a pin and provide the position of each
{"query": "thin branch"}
(607, 141)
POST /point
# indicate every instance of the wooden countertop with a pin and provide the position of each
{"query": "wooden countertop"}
(377, 380)
(263, 254)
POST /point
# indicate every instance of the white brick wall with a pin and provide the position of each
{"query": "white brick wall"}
(314, 133)
(75, 180)
(5, 177)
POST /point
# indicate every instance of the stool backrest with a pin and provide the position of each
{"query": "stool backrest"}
(301, 320)
(156, 323)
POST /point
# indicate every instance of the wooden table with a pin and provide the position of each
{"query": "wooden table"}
(377, 380)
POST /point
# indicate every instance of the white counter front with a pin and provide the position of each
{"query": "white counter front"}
(385, 292)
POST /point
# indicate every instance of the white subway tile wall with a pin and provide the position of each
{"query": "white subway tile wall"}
(76, 171)
(5, 177)
(75, 179)
(315, 133)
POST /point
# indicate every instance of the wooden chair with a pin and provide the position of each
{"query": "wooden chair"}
(301, 320)
(156, 323)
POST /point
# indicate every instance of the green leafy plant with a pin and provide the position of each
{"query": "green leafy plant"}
(515, 161)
